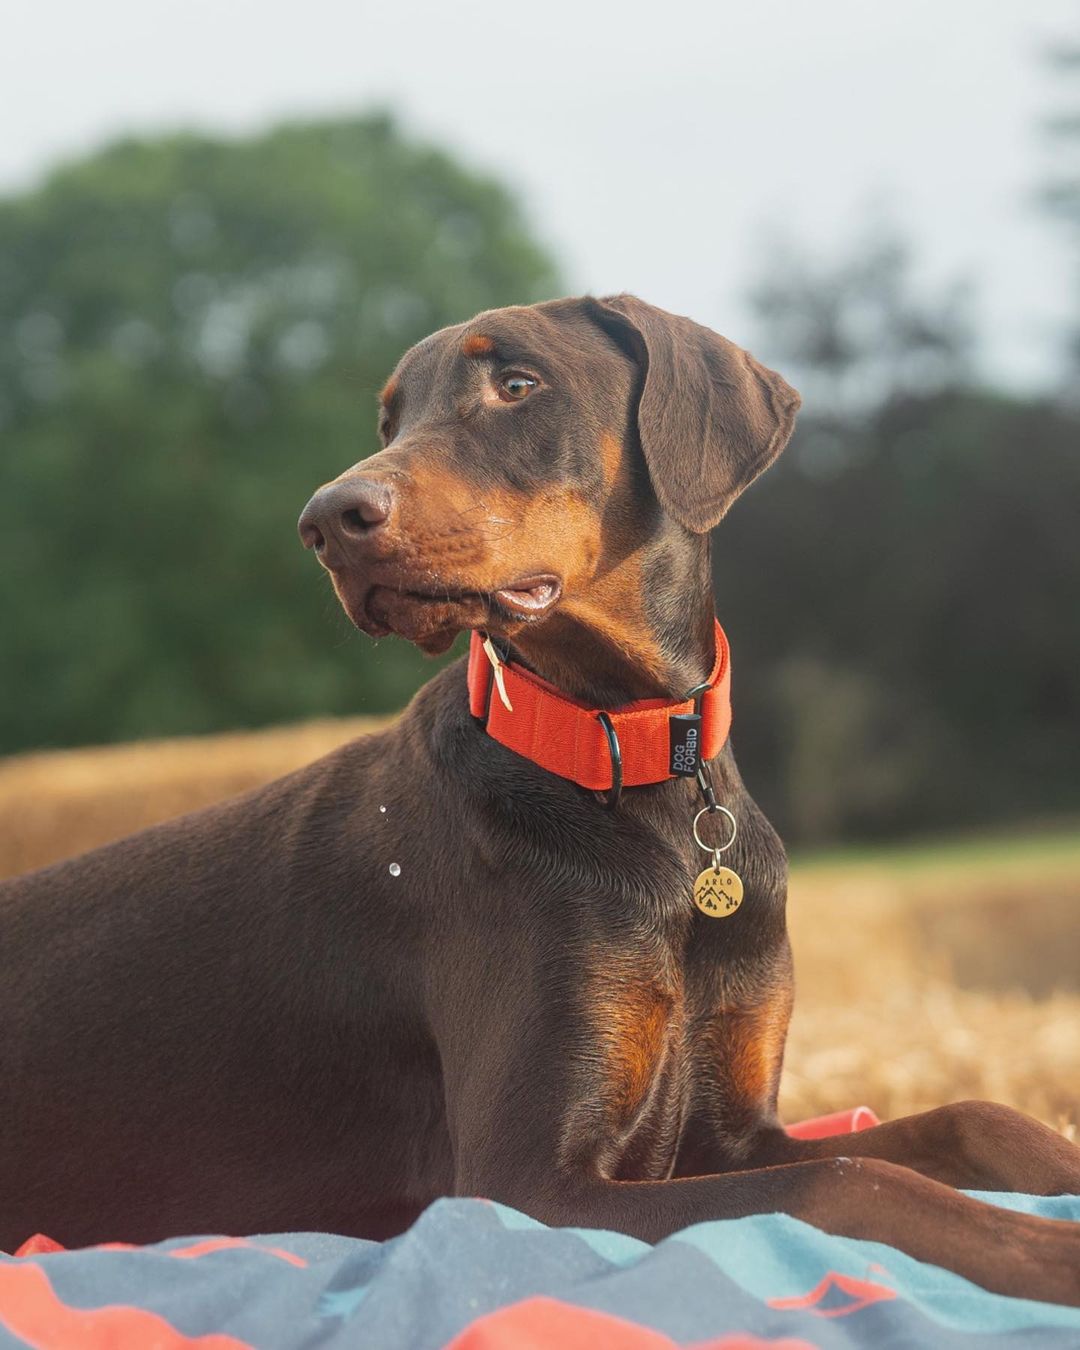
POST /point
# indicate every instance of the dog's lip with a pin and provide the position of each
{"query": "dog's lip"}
(382, 606)
(530, 596)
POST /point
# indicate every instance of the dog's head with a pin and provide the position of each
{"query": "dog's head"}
(542, 461)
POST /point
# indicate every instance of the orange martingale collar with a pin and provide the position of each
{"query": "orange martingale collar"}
(654, 739)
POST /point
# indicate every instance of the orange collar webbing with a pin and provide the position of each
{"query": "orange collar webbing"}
(569, 738)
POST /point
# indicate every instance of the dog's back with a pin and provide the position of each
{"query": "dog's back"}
(207, 1024)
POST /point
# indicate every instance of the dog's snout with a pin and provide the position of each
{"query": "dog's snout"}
(345, 512)
(366, 505)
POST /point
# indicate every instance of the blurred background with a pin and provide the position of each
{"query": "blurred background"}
(222, 223)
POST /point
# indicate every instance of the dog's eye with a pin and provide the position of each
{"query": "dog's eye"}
(515, 386)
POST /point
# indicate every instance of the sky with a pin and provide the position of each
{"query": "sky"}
(658, 148)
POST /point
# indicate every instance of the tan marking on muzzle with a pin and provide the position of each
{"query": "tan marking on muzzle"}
(485, 538)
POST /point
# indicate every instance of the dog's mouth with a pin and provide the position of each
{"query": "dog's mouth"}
(432, 618)
(530, 597)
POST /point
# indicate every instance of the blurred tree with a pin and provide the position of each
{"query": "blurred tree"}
(905, 580)
(192, 334)
(1062, 193)
(855, 332)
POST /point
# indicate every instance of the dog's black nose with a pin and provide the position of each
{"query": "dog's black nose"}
(345, 511)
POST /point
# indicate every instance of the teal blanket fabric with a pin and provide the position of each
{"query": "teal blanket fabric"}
(477, 1276)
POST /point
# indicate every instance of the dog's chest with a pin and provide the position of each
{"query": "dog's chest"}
(683, 1061)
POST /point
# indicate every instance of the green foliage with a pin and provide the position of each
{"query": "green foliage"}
(192, 335)
(907, 619)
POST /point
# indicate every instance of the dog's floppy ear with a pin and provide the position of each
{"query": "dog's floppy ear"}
(710, 417)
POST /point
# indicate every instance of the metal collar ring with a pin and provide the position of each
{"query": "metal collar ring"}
(720, 848)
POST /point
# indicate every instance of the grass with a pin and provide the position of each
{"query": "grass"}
(1047, 848)
(926, 973)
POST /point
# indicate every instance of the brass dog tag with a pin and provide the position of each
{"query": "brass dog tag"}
(718, 892)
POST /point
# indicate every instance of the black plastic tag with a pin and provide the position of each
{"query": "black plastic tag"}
(685, 733)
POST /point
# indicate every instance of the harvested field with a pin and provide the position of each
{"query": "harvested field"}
(61, 802)
(926, 975)
(931, 976)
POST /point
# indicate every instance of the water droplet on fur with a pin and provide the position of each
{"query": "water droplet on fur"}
(383, 810)
(395, 869)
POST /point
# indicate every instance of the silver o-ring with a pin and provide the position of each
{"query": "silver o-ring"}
(708, 811)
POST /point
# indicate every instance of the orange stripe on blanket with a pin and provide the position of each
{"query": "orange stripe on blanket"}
(31, 1310)
(539, 1323)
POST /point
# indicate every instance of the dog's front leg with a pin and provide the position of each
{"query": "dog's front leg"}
(1006, 1252)
(974, 1145)
(517, 1139)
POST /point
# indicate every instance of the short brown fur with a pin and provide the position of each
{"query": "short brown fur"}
(529, 1007)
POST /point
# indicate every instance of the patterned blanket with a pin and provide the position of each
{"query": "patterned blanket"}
(477, 1276)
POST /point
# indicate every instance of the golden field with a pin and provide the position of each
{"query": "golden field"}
(925, 975)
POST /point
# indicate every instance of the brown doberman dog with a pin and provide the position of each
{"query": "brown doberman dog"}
(428, 964)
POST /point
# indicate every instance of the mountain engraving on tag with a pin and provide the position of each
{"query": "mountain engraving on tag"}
(718, 892)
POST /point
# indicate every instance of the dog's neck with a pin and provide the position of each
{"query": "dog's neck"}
(609, 649)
